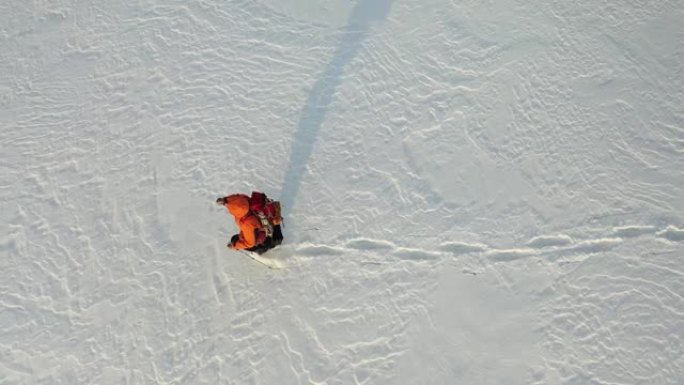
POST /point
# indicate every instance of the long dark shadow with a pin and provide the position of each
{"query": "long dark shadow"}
(364, 14)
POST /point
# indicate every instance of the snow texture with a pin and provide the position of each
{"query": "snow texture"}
(475, 192)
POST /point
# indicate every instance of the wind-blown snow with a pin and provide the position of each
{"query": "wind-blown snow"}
(475, 192)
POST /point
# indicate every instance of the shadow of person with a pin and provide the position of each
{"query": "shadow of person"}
(363, 16)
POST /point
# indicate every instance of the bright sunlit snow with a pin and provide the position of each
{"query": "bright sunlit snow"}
(475, 192)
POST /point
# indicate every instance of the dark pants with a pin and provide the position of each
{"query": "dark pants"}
(270, 242)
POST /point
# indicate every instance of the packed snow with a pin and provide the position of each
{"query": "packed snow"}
(475, 192)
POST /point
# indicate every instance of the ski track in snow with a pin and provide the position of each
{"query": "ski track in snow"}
(475, 192)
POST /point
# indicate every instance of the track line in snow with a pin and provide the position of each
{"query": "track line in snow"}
(672, 233)
(549, 241)
(553, 248)
(633, 231)
(457, 248)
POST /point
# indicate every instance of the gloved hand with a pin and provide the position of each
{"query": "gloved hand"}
(233, 241)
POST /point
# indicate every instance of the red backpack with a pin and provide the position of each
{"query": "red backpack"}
(267, 210)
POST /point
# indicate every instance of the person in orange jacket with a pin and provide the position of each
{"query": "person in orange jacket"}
(253, 235)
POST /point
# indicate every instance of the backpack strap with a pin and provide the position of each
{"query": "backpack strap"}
(265, 224)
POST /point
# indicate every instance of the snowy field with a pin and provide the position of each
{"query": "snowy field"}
(476, 192)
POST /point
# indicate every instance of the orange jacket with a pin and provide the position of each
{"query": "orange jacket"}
(251, 231)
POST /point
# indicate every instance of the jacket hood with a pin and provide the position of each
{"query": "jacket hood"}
(238, 205)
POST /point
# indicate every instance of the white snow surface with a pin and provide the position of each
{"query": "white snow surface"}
(475, 192)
